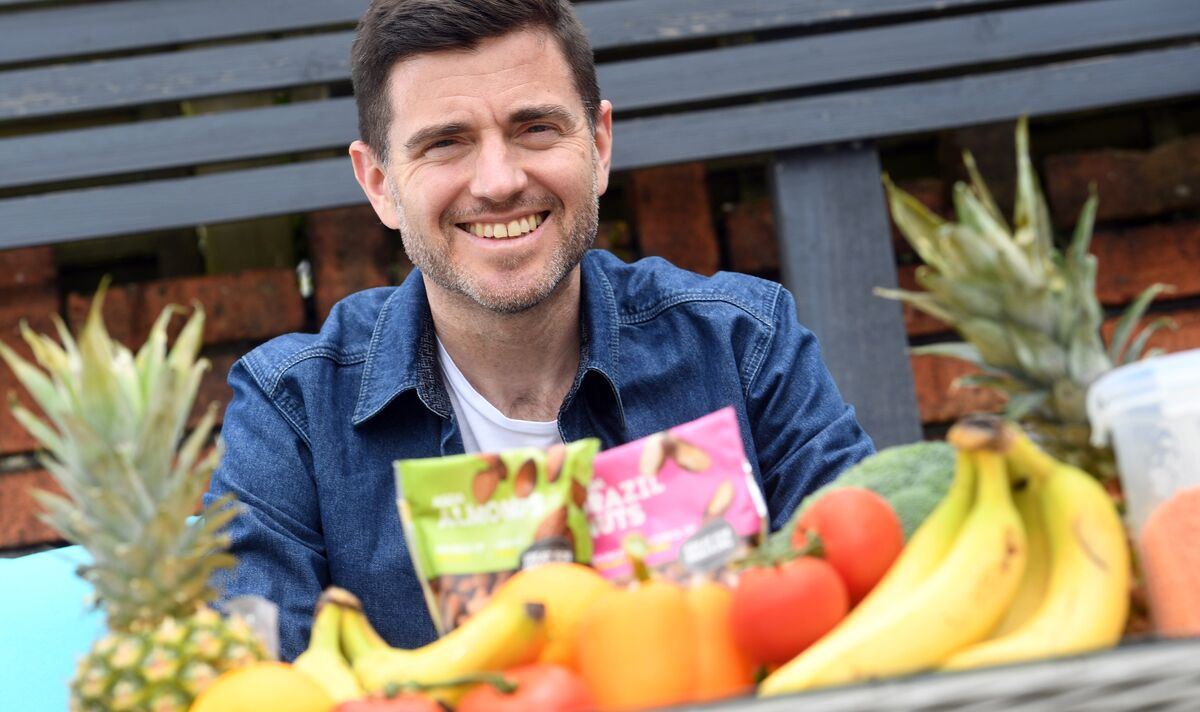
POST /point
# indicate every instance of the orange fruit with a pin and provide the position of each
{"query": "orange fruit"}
(566, 590)
(264, 687)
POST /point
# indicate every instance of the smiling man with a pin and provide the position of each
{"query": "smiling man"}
(485, 144)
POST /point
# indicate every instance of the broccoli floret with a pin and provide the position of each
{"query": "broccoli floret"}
(912, 478)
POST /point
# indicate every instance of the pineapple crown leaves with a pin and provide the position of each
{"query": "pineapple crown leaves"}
(1028, 311)
(112, 422)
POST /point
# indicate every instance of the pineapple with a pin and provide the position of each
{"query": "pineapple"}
(114, 421)
(1027, 311)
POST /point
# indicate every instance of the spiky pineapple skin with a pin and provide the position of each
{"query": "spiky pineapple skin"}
(163, 669)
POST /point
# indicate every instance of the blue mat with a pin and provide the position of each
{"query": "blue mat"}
(45, 628)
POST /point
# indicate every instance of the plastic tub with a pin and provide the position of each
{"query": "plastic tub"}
(1151, 412)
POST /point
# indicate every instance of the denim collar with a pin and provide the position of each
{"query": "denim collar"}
(402, 355)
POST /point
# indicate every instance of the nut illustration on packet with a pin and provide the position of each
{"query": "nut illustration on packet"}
(689, 491)
(473, 520)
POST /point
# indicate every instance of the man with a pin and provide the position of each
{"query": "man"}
(486, 145)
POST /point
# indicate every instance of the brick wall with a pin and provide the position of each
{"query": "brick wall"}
(701, 217)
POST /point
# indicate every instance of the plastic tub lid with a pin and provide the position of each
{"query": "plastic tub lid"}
(1172, 381)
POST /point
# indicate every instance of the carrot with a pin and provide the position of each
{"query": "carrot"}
(1170, 545)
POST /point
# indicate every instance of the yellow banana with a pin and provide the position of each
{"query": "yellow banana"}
(504, 634)
(323, 660)
(924, 551)
(1031, 593)
(958, 604)
(1087, 594)
(925, 548)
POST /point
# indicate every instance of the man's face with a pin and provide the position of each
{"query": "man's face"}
(494, 175)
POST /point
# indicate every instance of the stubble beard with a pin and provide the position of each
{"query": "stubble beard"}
(431, 256)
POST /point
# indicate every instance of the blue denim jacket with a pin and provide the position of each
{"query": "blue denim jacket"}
(317, 420)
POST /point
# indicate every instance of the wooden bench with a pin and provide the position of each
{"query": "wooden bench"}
(804, 87)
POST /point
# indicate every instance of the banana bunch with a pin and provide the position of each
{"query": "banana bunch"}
(348, 658)
(323, 660)
(1024, 558)
(502, 635)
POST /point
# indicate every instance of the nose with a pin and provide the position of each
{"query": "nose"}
(498, 176)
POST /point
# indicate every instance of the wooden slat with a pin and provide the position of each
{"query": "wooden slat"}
(835, 247)
(167, 143)
(637, 84)
(64, 32)
(175, 76)
(182, 202)
(77, 30)
(619, 23)
(896, 50)
(699, 135)
(894, 110)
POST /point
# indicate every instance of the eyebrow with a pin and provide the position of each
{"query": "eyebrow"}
(540, 112)
(427, 134)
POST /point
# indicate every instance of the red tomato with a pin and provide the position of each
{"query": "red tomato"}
(540, 686)
(778, 611)
(860, 534)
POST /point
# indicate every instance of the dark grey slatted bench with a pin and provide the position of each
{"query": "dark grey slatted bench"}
(822, 81)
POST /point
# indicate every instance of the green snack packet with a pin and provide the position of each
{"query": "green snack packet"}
(473, 520)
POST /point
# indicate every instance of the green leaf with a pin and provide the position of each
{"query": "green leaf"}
(1031, 219)
(1139, 342)
(1082, 239)
(1021, 405)
(992, 341)
(966, 296)
(952, 349)
(1131, 317)
(1000, 382)
(981, 190)
(924, 301)
(918, 224)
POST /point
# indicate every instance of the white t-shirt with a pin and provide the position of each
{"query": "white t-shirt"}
(484, 428)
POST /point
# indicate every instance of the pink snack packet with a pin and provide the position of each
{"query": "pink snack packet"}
(688, 491)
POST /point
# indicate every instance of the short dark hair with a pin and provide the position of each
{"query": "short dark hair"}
(394, 30)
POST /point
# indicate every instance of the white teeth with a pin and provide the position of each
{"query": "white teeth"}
(514, 228)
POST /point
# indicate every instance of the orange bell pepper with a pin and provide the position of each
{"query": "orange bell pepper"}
(657, 644)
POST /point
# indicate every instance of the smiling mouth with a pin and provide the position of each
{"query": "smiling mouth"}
(513, 228)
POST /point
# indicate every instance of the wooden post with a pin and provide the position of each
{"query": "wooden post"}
(835, 247)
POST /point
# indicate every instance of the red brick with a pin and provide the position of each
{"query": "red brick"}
(255, 304)
(671, 208)
(27, 267)
(1131, 260)
(20, 526)
(351, 251)
(938, 401)
(917, 322)
(251, 305)
(1131, 184)
(753, 246)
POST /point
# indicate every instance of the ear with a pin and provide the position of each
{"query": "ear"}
(603, 144)
(372, 177)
